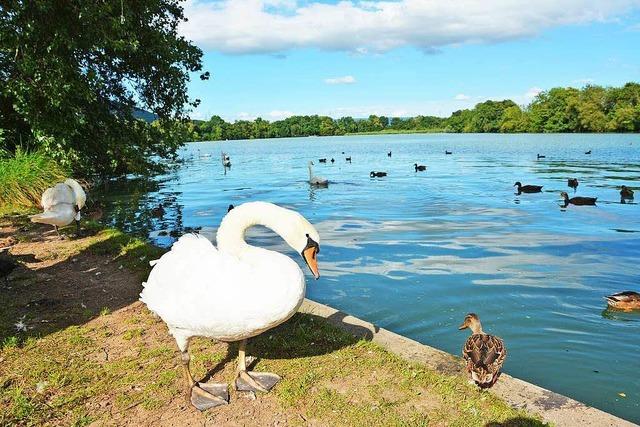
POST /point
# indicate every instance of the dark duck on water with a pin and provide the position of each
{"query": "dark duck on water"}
(626, 192)
(527, 188)
(578, 201)
(573, 183)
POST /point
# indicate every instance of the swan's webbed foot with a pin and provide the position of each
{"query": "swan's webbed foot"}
(206, 396)
(256, 381)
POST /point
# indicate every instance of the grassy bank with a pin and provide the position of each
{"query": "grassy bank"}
(25, 176)
(78, 348)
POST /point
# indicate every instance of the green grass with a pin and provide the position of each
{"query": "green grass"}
(24, 177)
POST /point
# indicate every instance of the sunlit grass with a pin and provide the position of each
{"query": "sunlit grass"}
(24, 177)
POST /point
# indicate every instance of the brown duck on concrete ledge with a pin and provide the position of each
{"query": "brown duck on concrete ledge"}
(484, 353)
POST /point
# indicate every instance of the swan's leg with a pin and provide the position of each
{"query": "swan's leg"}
(78, 227)
(252, 381)
(202, 396)
(55, 227)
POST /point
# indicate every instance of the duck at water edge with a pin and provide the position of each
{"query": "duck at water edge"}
(485, 354)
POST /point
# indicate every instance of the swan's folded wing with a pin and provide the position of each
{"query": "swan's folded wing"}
(59, 214)
(59, 193)
(79, 196)
(207, 292)
(189, 286)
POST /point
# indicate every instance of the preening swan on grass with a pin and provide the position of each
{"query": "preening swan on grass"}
(62, 204)
(231, 293)
(316, 180)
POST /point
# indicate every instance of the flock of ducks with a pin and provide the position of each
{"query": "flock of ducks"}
(236, 291)
(323, 182)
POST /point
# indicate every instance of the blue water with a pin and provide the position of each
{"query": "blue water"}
(414, 252)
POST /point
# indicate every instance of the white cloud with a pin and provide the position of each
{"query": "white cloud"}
(344, 80)
(280, 114)
(532, 93)
(268, 26)
(462, 97)
(585, 81)
(243, 115)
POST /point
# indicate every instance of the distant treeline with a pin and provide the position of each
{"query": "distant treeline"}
(590, 109)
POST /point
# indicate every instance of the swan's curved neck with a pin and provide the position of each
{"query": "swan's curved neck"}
(231, 234)
(310, 171)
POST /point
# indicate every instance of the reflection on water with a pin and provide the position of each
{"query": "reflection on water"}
(414, 252)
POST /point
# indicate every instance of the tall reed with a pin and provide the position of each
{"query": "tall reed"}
(24, 176)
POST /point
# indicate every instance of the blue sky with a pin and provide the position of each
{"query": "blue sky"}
(275, 58)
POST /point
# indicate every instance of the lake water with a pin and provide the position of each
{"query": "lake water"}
(414, 252)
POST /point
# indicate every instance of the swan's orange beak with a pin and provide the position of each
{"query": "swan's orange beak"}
(309, 255)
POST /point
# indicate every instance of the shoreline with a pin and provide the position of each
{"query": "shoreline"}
(551, 406)
(419, 132)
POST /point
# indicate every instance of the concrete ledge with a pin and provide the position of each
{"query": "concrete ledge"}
(552, 407)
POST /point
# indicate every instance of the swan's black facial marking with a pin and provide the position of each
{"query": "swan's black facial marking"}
(311, 244)
(309, 255)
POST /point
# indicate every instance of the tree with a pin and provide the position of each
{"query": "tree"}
(71, 73)
(514, 120)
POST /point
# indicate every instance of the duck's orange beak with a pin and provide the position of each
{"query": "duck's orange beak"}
(309, 255)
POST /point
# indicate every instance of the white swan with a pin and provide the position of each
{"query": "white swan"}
(315, 180)
(62, 204)
(231, 293)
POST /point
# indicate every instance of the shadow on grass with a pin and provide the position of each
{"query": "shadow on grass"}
(81, 278)
(518, 422)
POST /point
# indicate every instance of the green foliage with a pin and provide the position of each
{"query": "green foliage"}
(590, 109)
(25, 176)
(72, 72)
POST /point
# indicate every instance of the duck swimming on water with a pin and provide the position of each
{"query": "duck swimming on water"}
(541, 157)
(626, 192)
(578, 201)
(419, 167)
(527, 188)
(374, 174)
(573, 183)
(626, 300)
